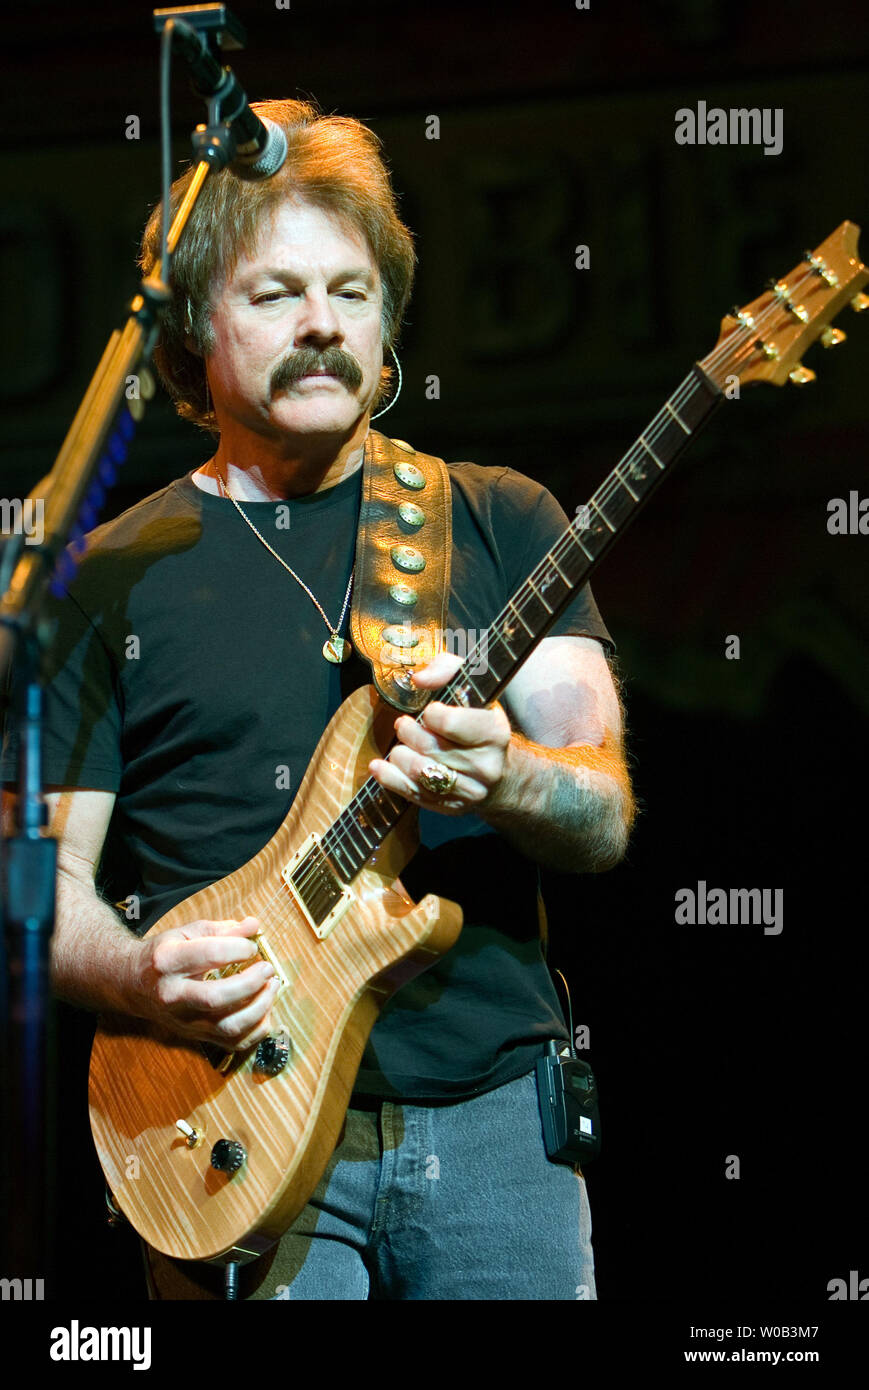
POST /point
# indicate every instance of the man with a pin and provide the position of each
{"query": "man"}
(198, 660)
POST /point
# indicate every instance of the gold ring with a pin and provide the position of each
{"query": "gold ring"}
(437, 779)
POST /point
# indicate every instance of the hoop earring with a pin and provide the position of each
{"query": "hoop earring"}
(398, 391)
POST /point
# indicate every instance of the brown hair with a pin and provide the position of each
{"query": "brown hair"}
(333, 162)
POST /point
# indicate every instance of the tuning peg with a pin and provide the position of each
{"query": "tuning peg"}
(742, 318)
(801, 376)
(820, 267)
(832, 336)
(860, 302)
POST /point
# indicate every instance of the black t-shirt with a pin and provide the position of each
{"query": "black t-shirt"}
(187, 676)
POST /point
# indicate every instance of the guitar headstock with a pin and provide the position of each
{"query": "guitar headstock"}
(764, 340)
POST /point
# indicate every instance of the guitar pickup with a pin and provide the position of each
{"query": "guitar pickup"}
(319, 895)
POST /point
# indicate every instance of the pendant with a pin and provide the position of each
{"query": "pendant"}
(336, 649)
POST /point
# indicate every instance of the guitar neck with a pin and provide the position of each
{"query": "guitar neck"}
(536, 606)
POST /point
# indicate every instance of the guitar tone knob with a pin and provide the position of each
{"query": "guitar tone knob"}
(272, 1054)
(228, 1155)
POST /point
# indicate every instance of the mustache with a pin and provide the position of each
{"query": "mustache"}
(304, 361)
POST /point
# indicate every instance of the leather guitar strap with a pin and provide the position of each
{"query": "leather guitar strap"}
(403, 552)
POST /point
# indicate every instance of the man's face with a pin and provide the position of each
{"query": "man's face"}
(297, 329)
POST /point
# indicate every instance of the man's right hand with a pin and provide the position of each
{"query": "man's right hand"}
(167, 984)
(97, 963)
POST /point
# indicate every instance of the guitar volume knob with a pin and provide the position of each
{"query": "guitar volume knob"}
(228, 1155)
(273, 1054)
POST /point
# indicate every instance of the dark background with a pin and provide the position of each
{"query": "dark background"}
(557, 128)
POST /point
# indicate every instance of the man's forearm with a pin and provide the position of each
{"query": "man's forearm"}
(569, 809)
(94, 955)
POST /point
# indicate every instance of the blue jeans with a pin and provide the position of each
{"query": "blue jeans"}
(453, 1201)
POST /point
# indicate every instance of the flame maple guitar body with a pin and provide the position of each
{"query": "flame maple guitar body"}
(143, 1080)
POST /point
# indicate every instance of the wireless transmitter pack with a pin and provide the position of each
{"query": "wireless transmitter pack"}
(568, 1105)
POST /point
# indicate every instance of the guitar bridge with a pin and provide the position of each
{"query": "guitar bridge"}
(219, 1058)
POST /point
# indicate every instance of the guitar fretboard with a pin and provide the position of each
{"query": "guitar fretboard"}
(535, 607)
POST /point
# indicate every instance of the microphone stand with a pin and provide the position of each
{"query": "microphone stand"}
(71, 495)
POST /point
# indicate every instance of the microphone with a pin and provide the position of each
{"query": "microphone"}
(264, 154)
(261, 145)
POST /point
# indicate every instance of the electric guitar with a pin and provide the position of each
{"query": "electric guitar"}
(212, 1155)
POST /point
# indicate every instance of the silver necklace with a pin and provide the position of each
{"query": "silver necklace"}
(335, 649)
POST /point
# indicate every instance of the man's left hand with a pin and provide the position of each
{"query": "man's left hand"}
(473, 743)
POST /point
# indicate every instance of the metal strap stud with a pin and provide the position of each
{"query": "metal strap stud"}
(400, 637)
(405, 558)
(411, 514)
(403, 594)
(409, 475)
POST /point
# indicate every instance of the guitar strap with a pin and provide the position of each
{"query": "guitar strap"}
(403, 551)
